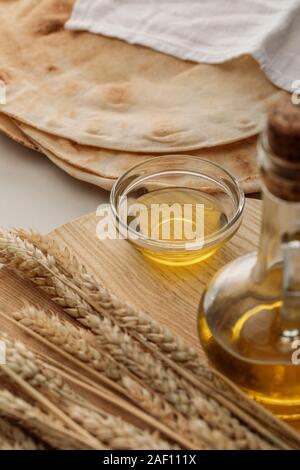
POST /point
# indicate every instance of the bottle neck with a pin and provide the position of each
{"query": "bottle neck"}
(280, 234)
(280, 228)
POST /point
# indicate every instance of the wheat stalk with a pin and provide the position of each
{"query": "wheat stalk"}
(115, 432)
(25, 364)
(72, 339)
(42, 323)
(180, 437)
(8, 444)
(70, 336)
(42, 425)
(57, 386)
(143, 326)
(22, 255)
(42, 270)
(175, 390)
(23, 367)
(75, 341)
(179, 393)
(14, 438)
(110, 430)
(108, 304)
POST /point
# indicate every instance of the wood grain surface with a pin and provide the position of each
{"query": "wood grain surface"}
(170, 294)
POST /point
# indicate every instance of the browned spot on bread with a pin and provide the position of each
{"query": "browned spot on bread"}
(75, 145)
(118, 94)
(6, 76)
(52, 68)
(50, 26)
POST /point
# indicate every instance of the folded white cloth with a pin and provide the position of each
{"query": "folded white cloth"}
(211, 31)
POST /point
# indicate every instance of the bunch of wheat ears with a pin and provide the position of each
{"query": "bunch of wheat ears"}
(98, 374)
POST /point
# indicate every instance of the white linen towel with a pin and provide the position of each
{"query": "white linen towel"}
(210, 31)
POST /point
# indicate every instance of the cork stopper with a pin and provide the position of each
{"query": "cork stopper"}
(284, 130)
(281, 167)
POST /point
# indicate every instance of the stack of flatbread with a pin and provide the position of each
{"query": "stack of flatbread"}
(96, 105)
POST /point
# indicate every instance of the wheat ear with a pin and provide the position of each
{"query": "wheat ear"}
(108, 304)
(72, 339)
(115, 432)
(6, 444)
(209, 436)
(9, 444)
(51, 327)
(139, 322)
(23, 368)
(15, 438)
(177, 430)
(52, 385)
(110, 430)
(176, 390)
(142, 324)
(75, 341)
(30, 262)
(42, 425)
(42, 270)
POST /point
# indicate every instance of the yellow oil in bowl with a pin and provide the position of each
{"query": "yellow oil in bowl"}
(177, 209)
(173, 224)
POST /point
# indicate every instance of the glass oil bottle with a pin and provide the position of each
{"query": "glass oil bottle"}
(249, 315)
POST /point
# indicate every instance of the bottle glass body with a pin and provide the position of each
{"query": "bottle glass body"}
(249, 315)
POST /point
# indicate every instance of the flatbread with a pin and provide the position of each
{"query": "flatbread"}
(81, 175)
(102, 167)
(103, 92)
(238, 158)
(8, 127)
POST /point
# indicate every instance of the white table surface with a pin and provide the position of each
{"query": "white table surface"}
(34, 193)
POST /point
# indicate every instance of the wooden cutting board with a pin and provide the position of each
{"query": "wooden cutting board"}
(171, 295)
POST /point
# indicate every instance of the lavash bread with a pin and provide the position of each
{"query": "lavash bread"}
(96, 105)
(104, 92)
(238, 158)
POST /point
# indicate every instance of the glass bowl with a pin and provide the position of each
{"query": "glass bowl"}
(177, 209)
